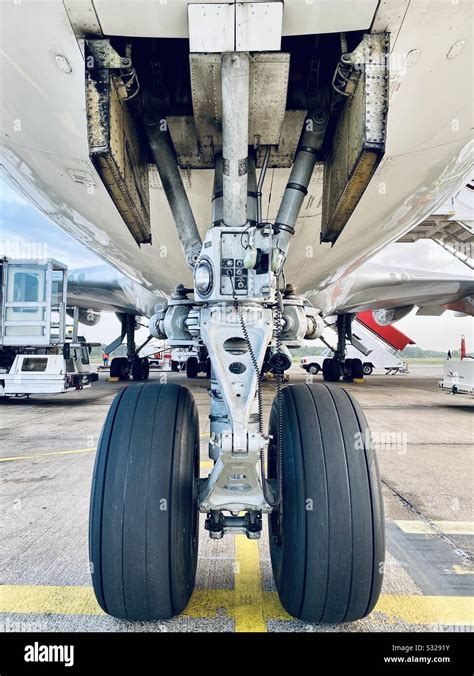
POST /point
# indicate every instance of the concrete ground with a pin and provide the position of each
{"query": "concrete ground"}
(425, 441)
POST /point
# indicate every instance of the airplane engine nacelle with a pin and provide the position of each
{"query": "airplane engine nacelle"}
(87, 317)
(387, 317)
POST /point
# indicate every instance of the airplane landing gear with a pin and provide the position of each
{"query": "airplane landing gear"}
(320, 487)
(143, 533)
(338, 366)
(140, 368)
(120, 368)
(332, 370)
(131, 365)
(326, 536)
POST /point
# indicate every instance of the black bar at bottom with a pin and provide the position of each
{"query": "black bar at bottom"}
(109, 653)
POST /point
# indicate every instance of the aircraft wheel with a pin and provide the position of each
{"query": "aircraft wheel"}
(120, 368)
(192, 367)
(327, 534)
(140, 368)
(347, 370)
(331, 370)
(356, 368)
(143, 529)
(368, 369)
(145, 368)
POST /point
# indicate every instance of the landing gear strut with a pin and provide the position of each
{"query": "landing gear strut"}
(199, 364)
(131, 365)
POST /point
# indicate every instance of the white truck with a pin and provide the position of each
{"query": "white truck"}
(379, 357)
(39, 353)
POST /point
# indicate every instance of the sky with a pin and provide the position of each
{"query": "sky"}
(21, 225)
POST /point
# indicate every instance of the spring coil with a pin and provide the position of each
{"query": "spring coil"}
(279, 403)
(255, 365)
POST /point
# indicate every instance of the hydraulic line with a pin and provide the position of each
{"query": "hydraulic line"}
(165, 160)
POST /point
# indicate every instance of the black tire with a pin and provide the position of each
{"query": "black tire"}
(143, 532)
(313, 369)
(140, 368)
(327, 554)
(175, 366)
(120, 368)
(368, 369)
(357, 369)
(145, 368)
(331, 370)
(192, 367)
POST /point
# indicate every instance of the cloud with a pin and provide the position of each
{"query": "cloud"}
(23, 227)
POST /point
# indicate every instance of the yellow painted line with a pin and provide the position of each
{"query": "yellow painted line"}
(458, 610)
(79, 450)
(461, 570)
(45, 600)
(248, 608)
(446, 527)
(205, 464)
(42, 455)
(250, 613)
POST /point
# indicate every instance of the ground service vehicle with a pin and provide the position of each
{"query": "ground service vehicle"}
(39, 353)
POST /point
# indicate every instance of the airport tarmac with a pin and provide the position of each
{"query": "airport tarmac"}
(425, 441)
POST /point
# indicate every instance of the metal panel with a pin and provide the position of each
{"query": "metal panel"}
(189, 152)
(207, 98)
(146, 18)
(305, 17)
(211, 28)
(267, 103)
(268, 91)
(117, 153)
(192, 154)
(283, 154)
(82, 17)
(359, 139)
(258, 26)
(157, 18)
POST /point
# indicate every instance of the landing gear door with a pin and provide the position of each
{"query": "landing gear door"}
(358, 143)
